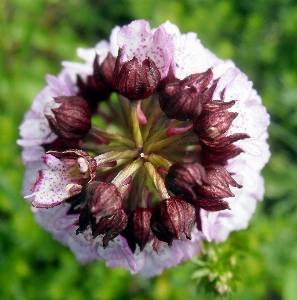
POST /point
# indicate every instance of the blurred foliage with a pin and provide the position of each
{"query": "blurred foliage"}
(260, 36)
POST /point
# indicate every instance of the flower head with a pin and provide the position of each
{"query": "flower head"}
(146, 149)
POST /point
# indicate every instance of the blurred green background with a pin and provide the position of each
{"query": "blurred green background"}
(260, 36)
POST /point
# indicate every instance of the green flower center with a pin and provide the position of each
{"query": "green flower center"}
(138, 145)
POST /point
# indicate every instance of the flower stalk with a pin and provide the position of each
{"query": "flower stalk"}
(157, 181)
(135, 124)
(112, 136)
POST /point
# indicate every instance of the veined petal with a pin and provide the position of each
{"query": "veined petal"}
(190, 56)
(138, 40)
(52, 185)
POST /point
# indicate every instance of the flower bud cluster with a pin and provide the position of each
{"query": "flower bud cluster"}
(143, 152)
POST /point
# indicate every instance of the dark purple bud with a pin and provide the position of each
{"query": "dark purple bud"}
(182, 179)
(223, 141)
(207, 94)
(217, 106)
(101, 205)
(136, 81)
(211, 204)
(139, 227)
(104, 72)
(170, 78)
(111, 226)
(181, 99)
(219, 181)
(99, 85)
(171, 218)
(213, 125)
(219, 155)
(103, 199)
(72, 119)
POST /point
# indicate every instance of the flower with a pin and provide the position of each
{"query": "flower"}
(145, 150)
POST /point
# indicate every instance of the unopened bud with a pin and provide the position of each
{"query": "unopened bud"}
(99, 85)
(72, 119)
(181, 99)
(139, 227)
(211, 204)
(111, 226)
(213, 125)
(102, 198)
(219, 182)
(182, 178)
(135, 80)
(171, 218)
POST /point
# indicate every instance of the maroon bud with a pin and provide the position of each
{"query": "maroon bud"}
(136, 81)
(219, 155)
(104, 72)
(213, 125)
(102, 209)
(217, 106)
(223, 141)
(211, 204)
(171, 218)
(139, 227)
(103, 199)
(208, 94)
(181, 99)
(219, 180)
(170, 78)
(99, 85)
(182, 179)
(111, 226)
(72, 119)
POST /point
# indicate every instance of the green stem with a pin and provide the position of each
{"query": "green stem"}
(114, 156)
(155, 132)
(101, 148)
(159, 161)
(150, 112)
(135, 124)
(127, 171)
(157, 181)
(176, 139)
(112, 136)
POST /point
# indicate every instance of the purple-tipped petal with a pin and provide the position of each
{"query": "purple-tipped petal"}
(56, 183)
(138, 40)
(51, 188)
